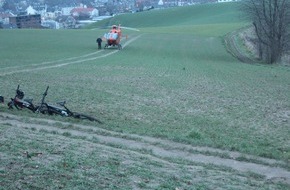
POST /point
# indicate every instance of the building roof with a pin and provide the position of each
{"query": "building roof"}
(82, 10)
(6, 15)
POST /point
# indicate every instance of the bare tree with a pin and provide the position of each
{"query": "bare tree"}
(271, 20)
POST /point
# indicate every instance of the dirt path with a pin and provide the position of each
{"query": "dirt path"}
(158, 149)
(232, 48)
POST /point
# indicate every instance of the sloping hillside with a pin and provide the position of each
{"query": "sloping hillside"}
(178, 111)
(178, 16)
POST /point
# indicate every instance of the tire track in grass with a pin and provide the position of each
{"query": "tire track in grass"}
(233, 48)
(156, 149)
(69, 61)
(51, 62)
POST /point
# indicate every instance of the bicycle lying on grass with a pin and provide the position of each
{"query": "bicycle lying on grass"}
(19, 102)
(50, 109)
(45, 108)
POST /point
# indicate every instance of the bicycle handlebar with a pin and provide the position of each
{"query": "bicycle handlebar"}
(44, 94)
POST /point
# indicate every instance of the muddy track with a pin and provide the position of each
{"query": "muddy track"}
(157, 149)
(232, 48)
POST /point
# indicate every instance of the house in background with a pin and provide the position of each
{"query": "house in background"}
(224, 1)
(26, 21)
(4, 17)
(5, 20)
(67, 22)
(66, 11)
(82, 13)
(30, 10)
(50, 24)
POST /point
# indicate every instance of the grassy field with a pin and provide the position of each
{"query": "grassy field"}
(173, 80)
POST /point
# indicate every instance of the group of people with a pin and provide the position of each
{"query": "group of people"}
(116, 31)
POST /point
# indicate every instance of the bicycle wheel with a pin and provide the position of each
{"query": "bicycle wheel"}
(42, 109)
(83, 116)
(10, 105)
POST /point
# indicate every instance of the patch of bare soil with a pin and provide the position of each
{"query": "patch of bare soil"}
(156, 149)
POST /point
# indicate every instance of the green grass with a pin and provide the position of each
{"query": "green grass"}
(178, 16)
(61, 162)
(173, 88)
(171, 83)
(28, 47)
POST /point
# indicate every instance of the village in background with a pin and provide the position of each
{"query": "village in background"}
(72, 14)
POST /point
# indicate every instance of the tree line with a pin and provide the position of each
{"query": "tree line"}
(271, 22)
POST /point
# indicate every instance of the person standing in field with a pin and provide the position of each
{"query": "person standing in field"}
(99, 41)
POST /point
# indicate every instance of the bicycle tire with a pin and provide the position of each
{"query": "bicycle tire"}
(83, 116)
(42, 109)
(10, 105)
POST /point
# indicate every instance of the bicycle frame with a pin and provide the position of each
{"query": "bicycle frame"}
(18, 101)
(52, 109)
(47, 108)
